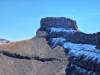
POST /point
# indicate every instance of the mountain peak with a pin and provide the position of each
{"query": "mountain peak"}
(57, 49)
(59, 22)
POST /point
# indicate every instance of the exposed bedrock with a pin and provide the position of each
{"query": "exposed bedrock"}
(52, 27)
(58, 22)
(58, 48)
(78, 65)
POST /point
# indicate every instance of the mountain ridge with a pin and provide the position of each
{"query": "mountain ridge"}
(57, 49)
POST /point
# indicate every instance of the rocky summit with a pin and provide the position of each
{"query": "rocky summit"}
(59, 48)
(59, 22)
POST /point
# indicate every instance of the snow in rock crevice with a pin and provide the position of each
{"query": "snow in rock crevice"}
(55, 41)
(83, 49)
(62, 30)
(79, 49)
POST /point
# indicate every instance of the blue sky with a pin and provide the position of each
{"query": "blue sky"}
(19, 19)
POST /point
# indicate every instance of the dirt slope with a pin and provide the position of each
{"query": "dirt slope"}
(36, 46)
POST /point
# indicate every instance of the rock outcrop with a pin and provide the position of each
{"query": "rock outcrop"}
(75, 35)
(59, 22)
(58, 48)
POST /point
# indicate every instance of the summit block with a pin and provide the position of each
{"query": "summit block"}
(59, 22)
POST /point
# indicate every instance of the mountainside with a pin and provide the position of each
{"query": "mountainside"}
(59, 48)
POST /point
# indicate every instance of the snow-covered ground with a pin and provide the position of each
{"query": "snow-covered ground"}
(62, 30)
(89, 51)
(79, 49)
(83, 49)
(55, 41)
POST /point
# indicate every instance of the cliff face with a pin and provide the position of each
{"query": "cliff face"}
(80, 47)
(59, 22)
(58, 48)
(60, 27)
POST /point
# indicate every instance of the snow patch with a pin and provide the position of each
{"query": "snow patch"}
(55, 41)
(60, 39)
(83, 49)
(62, 30)
(78, 49)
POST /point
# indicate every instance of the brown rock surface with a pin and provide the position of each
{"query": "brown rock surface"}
(36, 56)
(32, 47)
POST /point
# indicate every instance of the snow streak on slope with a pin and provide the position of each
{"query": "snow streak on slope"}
(84, 59)
(79, 49)
(55, 41)
(76, 49)
(62, 30)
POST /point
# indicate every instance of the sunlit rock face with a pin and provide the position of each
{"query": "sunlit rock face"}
(2, 41)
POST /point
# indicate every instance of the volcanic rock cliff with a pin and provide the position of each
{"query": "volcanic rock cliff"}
(59, 48)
